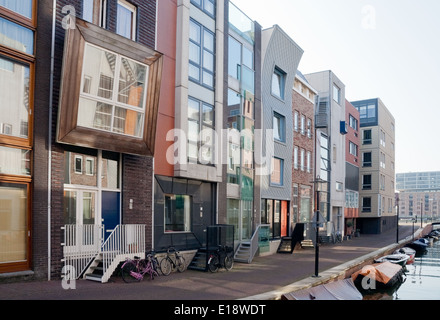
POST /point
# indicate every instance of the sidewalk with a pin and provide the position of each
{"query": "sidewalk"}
(266, 278)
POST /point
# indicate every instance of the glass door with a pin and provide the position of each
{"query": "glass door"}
(81, 207)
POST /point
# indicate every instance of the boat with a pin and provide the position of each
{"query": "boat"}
(378, 276)
(399, 258)
(408, 251)
(337, 290)
(434, 235)
(418, 245)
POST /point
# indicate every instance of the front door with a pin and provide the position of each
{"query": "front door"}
(283, 218)
(110, 210)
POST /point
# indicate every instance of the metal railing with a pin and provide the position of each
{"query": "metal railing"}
(255, 242)
(81, 245)
(125, 241)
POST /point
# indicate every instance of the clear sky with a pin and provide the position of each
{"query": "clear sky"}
(387, 49)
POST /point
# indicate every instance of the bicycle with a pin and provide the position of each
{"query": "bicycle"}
(172, 261)
(135, 269)
(222, 257)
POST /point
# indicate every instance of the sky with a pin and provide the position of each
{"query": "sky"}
(387, 49)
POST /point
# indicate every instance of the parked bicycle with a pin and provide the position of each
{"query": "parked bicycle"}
(221, 258)
(135, 269)
(173, 260)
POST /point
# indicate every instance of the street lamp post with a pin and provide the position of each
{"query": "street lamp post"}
(317, 182)
(397, 224)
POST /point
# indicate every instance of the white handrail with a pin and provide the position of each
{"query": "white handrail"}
(81, 244)
(126, 240)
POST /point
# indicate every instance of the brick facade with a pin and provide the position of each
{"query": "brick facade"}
(137, 171)
(302, 103)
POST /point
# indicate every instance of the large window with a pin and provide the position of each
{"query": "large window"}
(177, 213)
(336, 94)
(276, 177)
(278, 83)
(113, 93)
(241, 64)
(201, 54)
(207, 6)
(94, 11)
(366, 204)
(13, 222)
(201, 135)
(108, 97)
(17, 58)
(366, 182)
(279, 127)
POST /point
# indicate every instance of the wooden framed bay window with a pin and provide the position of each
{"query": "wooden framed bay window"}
(109, 93)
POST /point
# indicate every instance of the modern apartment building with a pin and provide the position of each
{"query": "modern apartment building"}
(330, 134)
(419, 195)
(377, 167)
(280, 60)
(303, 165)
(352, 142)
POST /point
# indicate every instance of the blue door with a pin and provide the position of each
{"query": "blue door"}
(110, 211)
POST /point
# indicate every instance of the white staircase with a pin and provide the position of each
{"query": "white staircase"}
(244, 252)
(126, 241)
(247, 250)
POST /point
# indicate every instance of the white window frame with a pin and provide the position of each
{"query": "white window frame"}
(133, 10)
(113, 101)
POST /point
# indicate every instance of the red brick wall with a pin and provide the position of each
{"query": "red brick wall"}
(304, 107)
(352, 135)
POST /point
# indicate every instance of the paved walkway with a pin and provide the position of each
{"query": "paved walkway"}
(266, 278)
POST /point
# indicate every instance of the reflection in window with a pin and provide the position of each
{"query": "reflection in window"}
(201, 55)
(22, 7)
(276, 177)
(201, 135)
(113, 93)
(13, 222)
(15, 161)
(177, 213)
(80, 169)
(14, 98)
(110, 170)
(278, 79)
(279, 127)
(16, 37)
(70, 207)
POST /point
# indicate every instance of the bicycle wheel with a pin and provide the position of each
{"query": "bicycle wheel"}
(165, 266)
(156, 266)
(180, 263)
(229, 262)
(213, 263)
(128, 270)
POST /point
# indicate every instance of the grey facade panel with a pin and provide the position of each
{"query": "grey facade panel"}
(281, 52)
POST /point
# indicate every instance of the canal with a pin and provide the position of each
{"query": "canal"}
(422, 279)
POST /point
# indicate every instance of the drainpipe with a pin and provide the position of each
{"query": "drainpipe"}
(49, 143)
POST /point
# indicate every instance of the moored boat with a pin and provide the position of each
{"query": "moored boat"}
(408, 251)
(399, 258)
(378, 276)
(418, 245)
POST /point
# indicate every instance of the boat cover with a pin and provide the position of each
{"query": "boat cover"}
(381, 272)
(338, 290)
